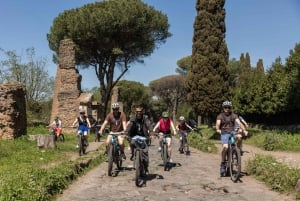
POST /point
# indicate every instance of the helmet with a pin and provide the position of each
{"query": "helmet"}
(181, 118)
(115, 106)
(226, 103)
(165, 114)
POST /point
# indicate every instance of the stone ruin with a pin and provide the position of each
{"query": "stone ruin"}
(13, 120)
(68, 97)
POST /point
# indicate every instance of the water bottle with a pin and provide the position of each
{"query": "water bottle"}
(232, 140)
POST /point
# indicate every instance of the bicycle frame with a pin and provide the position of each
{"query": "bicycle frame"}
(114, 155)
(164, 152)
(233, 162)
(140, 144)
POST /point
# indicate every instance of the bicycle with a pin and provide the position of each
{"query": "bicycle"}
(57, 134)
(114, 152)
(185, 143)
(82, 143)
(164, 152)
(233, 160)
(140, 143)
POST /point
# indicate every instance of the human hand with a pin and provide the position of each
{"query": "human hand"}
(245, 132)
(218, 131)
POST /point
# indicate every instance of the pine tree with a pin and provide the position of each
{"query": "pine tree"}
(207, 82)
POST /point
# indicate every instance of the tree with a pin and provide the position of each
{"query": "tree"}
(110, 34)
(184, 65)
(133, 94)
(207, 82)
(33, 75)
(169, 89)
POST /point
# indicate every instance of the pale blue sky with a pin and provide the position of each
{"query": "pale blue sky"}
(266, 29)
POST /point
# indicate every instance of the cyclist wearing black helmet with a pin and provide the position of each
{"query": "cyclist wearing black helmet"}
(224, 126)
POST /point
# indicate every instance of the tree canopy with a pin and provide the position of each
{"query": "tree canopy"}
(109, 34)
(207, 81)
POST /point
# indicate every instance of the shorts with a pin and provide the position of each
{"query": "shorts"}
(225, 138)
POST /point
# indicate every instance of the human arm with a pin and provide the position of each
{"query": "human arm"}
(88, 123)
(74, 122)
(237, 120)
(156, 126)
(218, 124)
(173, 128)
(188, 126)
(103, 127)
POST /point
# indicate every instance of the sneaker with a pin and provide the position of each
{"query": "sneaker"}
(171, 161)
(181, 151)
(159, 149)
(222, 168)
(77, 146)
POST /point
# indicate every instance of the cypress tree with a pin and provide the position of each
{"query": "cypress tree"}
(207, 82)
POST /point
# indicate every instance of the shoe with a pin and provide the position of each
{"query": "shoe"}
(159, 149)
(86, 144)
(181, 151)
(222, 168)
(171, 161)
(77, 146)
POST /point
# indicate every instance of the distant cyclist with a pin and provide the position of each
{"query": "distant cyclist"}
(224, 126)
(164, 126)
(83, 123)
(182, 128)
(55, 126)
(117, 122)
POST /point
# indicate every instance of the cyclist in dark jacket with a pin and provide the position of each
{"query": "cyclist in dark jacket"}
(139, 124)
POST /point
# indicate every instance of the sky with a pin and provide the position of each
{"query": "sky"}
(266, 29)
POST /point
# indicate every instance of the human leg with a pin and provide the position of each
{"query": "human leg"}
(122, 146)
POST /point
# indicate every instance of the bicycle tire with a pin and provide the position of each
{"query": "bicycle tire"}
(165, 156)
(61, 137)
(80, 145)
(235, 164)
(118, 159)
(137, 167)
(110, 155)
(185, 145)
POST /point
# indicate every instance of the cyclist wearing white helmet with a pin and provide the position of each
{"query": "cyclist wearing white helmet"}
(182, 128)
(117, 122)
(224, 126)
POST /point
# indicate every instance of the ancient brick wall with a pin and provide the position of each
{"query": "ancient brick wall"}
(13, 120)
(67, 85)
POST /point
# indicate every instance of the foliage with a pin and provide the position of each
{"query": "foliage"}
(202, 144)
(133, 94)
(170, 90)
(277, 175)
(207, 82)
(33, 75)
(110, 34)
(184, 65)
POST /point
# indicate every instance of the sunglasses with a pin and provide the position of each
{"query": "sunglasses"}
(226, 107)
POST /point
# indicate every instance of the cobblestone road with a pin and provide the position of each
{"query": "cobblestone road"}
(194, 177)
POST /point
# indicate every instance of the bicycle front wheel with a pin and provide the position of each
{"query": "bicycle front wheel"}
(137, 167)
(61, 138)
(110, 155)
(235, 164)
(185, 146)
(80, 144)
(165, 156)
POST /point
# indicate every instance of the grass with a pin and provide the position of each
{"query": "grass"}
(30, 173)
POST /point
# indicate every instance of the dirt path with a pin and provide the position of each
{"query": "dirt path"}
(194, 177)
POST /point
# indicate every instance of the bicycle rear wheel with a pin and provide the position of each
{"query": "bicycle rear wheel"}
(185, 145)
(235, 164)
(110, 155)
(165, 156)
(118, 159)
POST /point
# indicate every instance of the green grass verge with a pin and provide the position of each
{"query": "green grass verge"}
(30, 173)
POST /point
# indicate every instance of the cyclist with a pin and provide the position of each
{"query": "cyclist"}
(224, 126)
(83, 125)
(139, 124)
(243, 121)
(165, 124)
(97, 126)
(117, 122)
(56, 126)
(182, 128)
